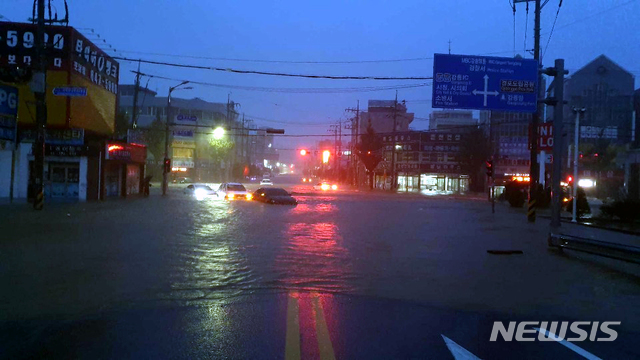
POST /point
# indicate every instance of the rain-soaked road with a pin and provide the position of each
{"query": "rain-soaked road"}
(345, 275)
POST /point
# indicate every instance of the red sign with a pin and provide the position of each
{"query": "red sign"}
(545, 136)
(126, 152)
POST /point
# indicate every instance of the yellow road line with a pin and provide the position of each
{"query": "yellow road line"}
(324, 341)
(292, 347)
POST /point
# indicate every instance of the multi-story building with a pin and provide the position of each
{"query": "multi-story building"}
(195, 153)
(81, 160)
(605, 90)
(380, 114)
(425, 161)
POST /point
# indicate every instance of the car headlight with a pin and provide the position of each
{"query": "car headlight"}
(334, 187)
(230, 196)
(249, 196)
(324, 187)
(200, 192)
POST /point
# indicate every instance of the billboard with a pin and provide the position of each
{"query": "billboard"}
(72, 61)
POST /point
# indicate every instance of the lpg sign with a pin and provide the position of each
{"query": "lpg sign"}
(8, 100)
(545, 136)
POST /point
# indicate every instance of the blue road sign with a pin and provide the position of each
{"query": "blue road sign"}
(485, 83)
(8, 100)
(70, 91)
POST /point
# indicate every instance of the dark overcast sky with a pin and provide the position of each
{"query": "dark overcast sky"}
(332, 30)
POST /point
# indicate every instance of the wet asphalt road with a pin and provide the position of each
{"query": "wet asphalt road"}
(348, 275)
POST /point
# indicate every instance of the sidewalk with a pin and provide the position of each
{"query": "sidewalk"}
(575, 229)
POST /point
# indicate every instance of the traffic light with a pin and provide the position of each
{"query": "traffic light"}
(167, 165)
(325, 156)
(489, 168)
(304, 152)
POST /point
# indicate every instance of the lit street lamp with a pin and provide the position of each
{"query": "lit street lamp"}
(166, 170)
(218, 133)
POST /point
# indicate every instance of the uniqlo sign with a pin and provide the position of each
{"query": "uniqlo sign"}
(545, 136)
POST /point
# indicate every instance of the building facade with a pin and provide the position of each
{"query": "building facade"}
(426, 161)
(81, 90)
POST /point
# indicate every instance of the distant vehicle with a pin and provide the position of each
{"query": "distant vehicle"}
(182, 180)
(199, 190)
(266, 182)
(274, 196)
(233, 191)
(266, 175)
(324, 186)
(307, 179)
(253, 178)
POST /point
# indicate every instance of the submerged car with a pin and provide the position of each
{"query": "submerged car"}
(324, 186)
(266, 182)
(274, 196)
(233, 191)
(199, 190)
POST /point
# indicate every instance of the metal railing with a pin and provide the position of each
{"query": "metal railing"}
(607, 249)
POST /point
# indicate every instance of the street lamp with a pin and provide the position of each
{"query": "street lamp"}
(576, 140)
(165, 171)
(218, 133)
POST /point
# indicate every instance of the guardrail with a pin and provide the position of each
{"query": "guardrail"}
(596, 247)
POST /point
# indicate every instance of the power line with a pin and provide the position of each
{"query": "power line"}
(278, 61)
(551, 32)
(292, 90)
(595, 14)
(255, 72)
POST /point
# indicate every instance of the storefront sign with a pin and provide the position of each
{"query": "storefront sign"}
(126, 152)
(183, 133)
(70, 91)
(8, 100)
(56, 136)
(66, 150)
(17, 47)
(437, 168)
(183, 144)
(183, 163)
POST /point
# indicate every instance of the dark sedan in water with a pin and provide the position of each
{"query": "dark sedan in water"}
(274, 196)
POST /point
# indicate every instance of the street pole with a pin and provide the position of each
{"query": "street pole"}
(165, 173)
(41, 110)
(356, 143)
(576, 141)
(393, 148)
(134, 115)
(535, 119)
(559, 73)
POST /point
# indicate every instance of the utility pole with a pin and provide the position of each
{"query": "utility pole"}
(165, 170)
(393, 149)
(354, 142)
(576, 141)
(558, 102)
(339, 153)
(535, 119)
(41, 108)
(136, 87)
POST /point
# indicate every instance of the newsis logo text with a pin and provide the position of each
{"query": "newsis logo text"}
(555, 331)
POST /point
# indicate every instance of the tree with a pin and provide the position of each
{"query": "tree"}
(121, 125)
(219, 150)
(369, 150)
(474, 151)
(155, 138)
